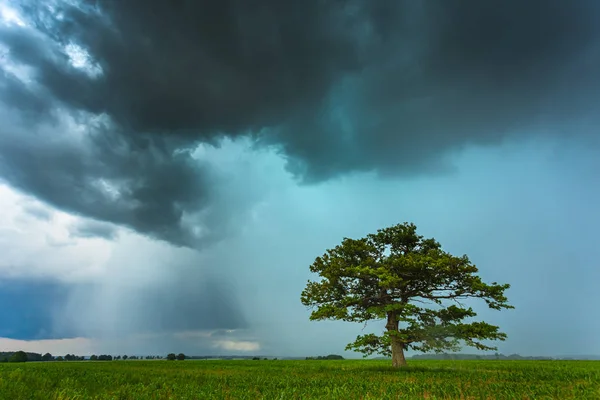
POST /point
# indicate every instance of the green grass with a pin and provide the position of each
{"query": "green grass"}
(277, 379)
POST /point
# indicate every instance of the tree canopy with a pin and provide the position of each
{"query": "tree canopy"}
(19, 356)
(410, 282)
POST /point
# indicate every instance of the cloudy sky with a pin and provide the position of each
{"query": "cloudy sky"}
(169, 170)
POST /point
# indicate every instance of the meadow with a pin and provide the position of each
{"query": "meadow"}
(300, 379)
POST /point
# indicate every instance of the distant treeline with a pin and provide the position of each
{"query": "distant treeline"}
(496, 356)
(329, 357)
(21, 356)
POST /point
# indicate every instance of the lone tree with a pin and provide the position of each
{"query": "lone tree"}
(410, 282)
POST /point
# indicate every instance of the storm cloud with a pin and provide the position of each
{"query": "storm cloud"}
(28, 308)
(185, 302)
(90, 229)
(113, 97)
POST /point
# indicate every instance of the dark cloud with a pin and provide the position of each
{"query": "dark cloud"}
(205, 304)
(186, 300)
(106, 176)
(93, 229)
(28, 309)
(38, 211)
(339, 86)
(33, 309)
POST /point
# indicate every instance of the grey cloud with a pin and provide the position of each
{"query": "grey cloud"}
(93, 229)
(54, 242)
(47, 309)
(29, 306)
(187, 300)
(17, 96)
(105, 177)
(338, 86)
(38, 211)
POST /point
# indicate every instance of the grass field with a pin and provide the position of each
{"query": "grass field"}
(278, 379)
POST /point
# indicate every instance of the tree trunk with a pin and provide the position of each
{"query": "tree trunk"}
(398, 359)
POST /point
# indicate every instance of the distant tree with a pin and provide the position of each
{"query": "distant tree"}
(94, 357)
(256, 358)
(171, 357)
(125, 357)
(398, 276)
(47, 357)
(181, 356)
(19, 356)
(60, 358)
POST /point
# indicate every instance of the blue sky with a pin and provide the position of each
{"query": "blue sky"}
(173, 210)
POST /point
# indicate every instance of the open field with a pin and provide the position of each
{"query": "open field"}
(278, 379)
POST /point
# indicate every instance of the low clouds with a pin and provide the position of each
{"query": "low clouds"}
(38, 211)
(91, 229)
(72, 277)
(128, 90)
(38, 248)
(237, 346)
(148, 190)
(28, 308)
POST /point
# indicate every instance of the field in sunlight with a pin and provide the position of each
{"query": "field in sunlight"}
(278, 379)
